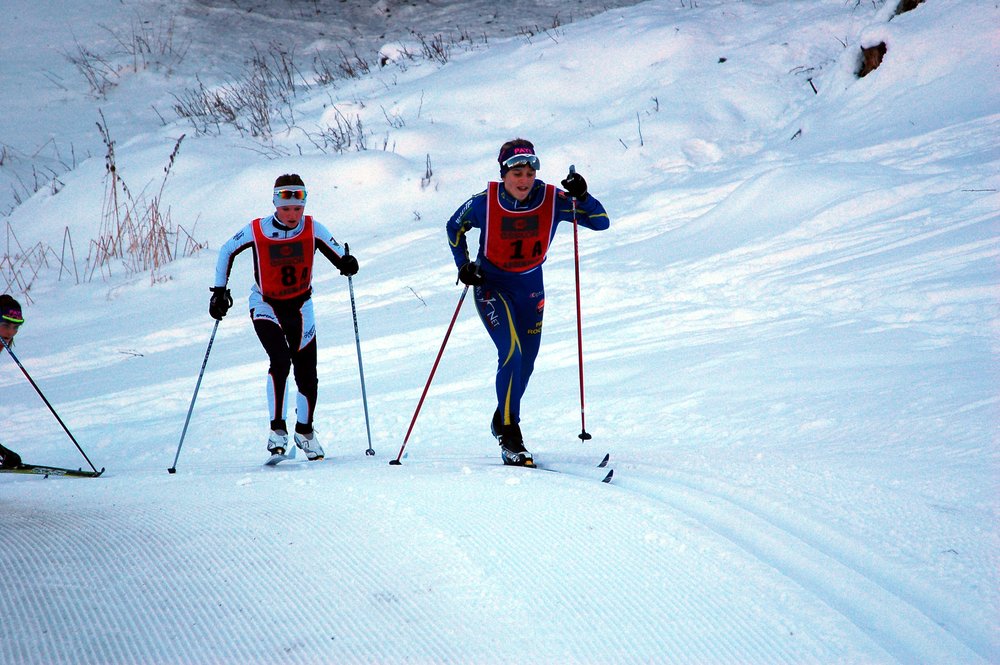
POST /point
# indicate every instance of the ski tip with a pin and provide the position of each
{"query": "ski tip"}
(607, 478)
(604, 462)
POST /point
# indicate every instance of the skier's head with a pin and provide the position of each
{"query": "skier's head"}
(518, 164)
(10, 318)
(289, 198)
(517, 152)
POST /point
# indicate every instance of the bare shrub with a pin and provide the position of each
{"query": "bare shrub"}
(150, 45)
(353, 66)
(19, 267)
(395, 120)
(136, 231)
(325, 72)
(31, 173)
(263, 93)
(550, 31)
(146, 44)
(206, 110)
(435, 48)
(260, 101)
(343, 135)
(428, 173)
(100, 73)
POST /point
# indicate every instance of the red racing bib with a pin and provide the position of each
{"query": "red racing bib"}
(518, 241)
(284, 266)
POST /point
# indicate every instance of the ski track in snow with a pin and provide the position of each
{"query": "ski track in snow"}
(203, 608)
(907, 619)
(428, 576)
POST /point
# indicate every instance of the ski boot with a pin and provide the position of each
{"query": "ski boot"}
(277, 442)
(512, 450)
(310, 445)
(496, 424)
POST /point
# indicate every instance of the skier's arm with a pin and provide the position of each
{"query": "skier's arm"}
(227, 253)
(468, 216)
(334, 252)
(589, 213)
(222, 299)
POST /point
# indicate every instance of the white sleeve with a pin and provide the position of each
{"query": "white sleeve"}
(324, 237)
(239, 242)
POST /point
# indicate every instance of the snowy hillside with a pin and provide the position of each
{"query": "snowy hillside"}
(790, 340)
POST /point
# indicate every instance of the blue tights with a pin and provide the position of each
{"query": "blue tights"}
(514, 322)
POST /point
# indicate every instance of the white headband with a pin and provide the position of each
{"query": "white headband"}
(280, 201)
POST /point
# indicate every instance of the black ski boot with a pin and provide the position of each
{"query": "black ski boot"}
(512, 450)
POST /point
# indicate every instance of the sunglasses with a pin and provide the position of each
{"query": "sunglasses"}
(522, 160)
(290, 194)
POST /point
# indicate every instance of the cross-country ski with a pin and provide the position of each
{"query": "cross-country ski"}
(40, 470)
(599, 470)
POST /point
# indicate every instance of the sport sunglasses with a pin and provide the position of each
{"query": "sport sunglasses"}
(521, 160)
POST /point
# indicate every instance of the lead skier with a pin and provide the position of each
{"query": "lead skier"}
(517, 219)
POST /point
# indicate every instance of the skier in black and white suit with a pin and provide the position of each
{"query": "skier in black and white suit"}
(281, 305)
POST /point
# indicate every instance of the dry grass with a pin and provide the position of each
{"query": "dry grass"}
(136, 230)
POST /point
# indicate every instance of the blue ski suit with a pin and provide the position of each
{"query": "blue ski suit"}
(511, 302)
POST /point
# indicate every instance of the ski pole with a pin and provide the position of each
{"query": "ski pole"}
(361, 368)
(579, 325)
(40, 394)
(173, 469)
(451, 325)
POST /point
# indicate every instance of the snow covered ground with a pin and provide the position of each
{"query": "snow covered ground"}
(790, 346)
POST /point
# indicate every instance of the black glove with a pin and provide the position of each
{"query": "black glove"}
(348, 265)
(11, 460)
(470, 275)
(220, 303)
(575, 186)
